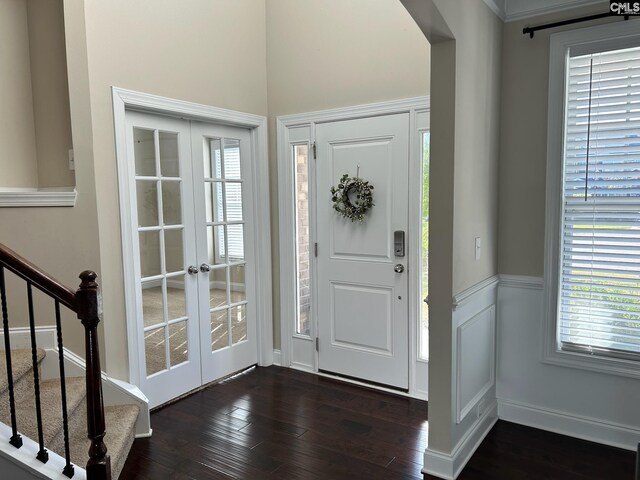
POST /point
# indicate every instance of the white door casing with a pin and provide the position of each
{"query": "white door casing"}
(362, 302)
(128, 100)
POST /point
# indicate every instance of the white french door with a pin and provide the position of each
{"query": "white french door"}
(223, 232)
(191, 225)
(363, 320)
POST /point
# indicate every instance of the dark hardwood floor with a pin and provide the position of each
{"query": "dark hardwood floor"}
(275, 423)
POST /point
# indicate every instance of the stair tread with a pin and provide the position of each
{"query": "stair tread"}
(21, 364)
(50, 401)
(120, 421)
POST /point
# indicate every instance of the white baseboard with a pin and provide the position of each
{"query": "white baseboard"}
(449, 466)
(591, 429)
(21, 337)
(277, 358)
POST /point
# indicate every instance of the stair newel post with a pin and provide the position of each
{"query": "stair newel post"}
(88, 309)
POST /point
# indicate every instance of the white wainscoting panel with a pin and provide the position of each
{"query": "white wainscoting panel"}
(475, 372)
(473, 377)
(576, 402)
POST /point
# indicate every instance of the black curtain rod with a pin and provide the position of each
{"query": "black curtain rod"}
(532, 30)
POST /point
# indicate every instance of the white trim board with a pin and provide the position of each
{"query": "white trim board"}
(38, 197)
(299, 129)
(449, 466)
(578, 426)
(461, 298)
(130, 100)
(521, 281)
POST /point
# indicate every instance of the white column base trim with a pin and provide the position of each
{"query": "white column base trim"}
(449, 466)
(586, 428)
(277, 358)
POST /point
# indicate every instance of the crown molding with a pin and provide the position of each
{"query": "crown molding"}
(512, 10)
(498, 7)
(522, 9)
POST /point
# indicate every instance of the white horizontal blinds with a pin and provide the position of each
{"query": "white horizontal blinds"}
(232, 199)
(233, 193)
(599, 298)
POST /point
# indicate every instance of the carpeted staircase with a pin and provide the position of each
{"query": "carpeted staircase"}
(120, 420)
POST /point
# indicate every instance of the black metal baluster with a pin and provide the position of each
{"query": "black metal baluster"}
(42, 455)
(16, 439)
(68, 468)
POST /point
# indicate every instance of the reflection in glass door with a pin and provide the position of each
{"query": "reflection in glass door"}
(167, 296)
(221, 168)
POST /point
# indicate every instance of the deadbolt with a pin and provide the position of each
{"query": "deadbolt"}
(399, 268)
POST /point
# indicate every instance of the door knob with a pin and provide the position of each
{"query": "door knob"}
(204, 268)
(192, 270)
(399, 268)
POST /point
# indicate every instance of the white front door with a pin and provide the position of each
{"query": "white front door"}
(362, 299)
(192, 236)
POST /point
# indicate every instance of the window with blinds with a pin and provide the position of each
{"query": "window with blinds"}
(599, 278)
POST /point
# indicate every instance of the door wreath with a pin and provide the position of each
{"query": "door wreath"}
(352, 197)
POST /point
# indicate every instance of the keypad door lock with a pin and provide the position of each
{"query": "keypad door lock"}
(398, 243)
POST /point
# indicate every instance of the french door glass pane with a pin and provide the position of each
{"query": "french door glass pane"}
(178, 351)
(155, 350)
(219, 329)
(152, 305)
(215, 244)
(300, 155)
(237, 284)
(176, 300)
(173, 248)
(235, 242)
(169, 161)
(145, 152)
(232, 159)
(150, 253)
(213, 161)
(238, 323)
(423, 350)
(233, 201)
(218, 287)
(171, 203)
(147, 199)
(213, 202)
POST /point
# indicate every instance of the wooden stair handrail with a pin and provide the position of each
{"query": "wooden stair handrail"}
(85, 302)
(38, 277)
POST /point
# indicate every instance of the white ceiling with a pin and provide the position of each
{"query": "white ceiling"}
(510, 10)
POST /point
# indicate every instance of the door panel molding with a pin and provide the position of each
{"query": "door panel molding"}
(299, 129)
(124, 100)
